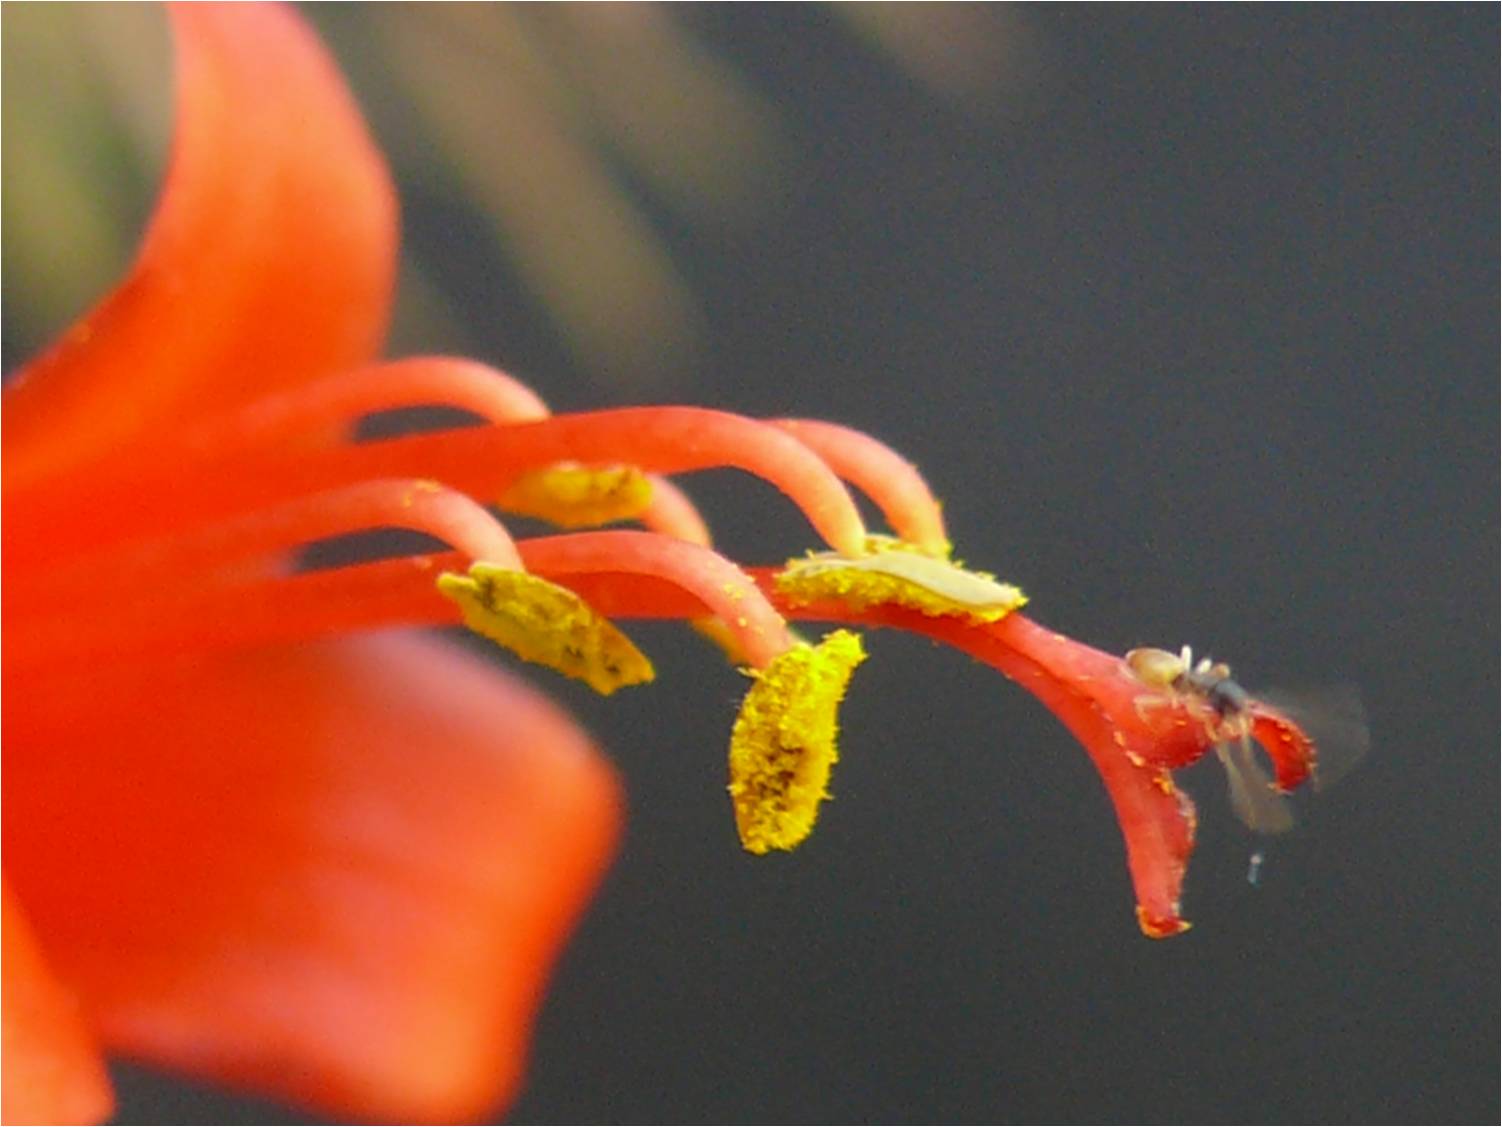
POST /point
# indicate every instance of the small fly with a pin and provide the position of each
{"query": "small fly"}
(1254, 799)
(1334, 718)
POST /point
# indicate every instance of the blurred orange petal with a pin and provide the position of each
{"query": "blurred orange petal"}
(337, 873)
(52, 1072)
(270, 258)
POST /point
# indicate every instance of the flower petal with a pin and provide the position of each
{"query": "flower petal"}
(270, 258)
(337, 874)
(52, 1072)
(1096, 698)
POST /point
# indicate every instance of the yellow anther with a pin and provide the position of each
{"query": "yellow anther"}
(878, 542)
(894, 575)
(544, 623)
(783, 745)
(575, 496)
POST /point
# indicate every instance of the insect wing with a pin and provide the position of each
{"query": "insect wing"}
(1253, 799)
(1335, 719)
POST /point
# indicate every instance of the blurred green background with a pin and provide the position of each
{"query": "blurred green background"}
(592, 149)
(1191, 316)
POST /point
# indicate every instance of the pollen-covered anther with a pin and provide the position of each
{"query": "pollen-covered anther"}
(894, 574)
(542, 622)
(573, 495)
(783, 745)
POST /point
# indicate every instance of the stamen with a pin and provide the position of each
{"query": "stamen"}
(77, 626)
(783, 745)
(546, 624)
(880, 473)
(895, 575)
(195, 555)
(479, 461)
(339, 400)
(760, 634)
(1089, 690)
(334, 403)
(648, 575)
(569, 496)
(671, 513)
(562, 495)
(575, 496)
(893, 482)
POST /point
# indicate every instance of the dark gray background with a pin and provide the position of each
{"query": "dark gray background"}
(1202, 348)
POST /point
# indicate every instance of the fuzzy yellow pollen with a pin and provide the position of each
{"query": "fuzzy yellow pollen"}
(894, 574)
(783, 745)
(547, 624)
(570, 495)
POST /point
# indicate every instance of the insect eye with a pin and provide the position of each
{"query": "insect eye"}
(1226, 697)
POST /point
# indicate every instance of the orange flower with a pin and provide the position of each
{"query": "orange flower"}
(241, 843)
(335, 872)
